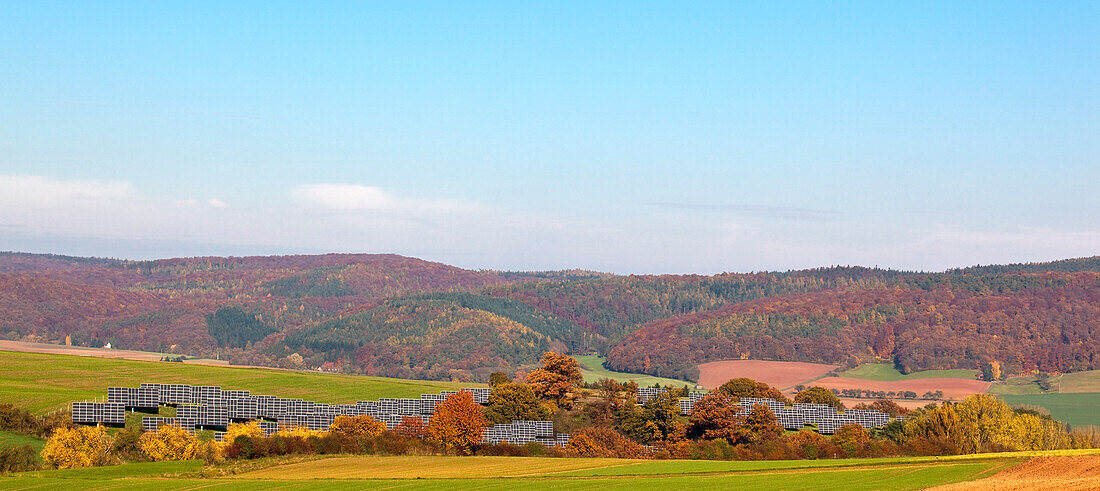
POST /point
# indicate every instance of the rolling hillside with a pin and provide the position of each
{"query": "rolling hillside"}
(400, 316)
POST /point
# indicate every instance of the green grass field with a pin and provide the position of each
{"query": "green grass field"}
(1068, 383)
(593, 370)
(1076, 409)
(1077, 382)
(48, 382)
(1016, 386)
(887, 372)
(13, 440)
(505, 473)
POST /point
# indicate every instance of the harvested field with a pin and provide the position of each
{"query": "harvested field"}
(1061, 473)
(779, 374)
(428, 467)
(953, 388)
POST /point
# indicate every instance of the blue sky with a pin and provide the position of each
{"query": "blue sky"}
(630, 137)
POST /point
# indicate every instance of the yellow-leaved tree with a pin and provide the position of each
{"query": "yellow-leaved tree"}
(356, 426)
(250, 429)
(170, 442)
(299, 432)
(71, 448)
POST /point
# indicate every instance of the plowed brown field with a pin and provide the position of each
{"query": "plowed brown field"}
(1061, 473)
(779, 374)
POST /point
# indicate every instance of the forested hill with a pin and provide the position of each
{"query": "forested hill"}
(400, 316)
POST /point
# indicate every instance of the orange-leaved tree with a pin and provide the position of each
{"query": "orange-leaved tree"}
(356, 426)
(852, 438)
(747, 387)
(717, 415)
(556, 378)
(603, 442)
(818, 395)
(458, 423)
(761, 424)
(83, 446)
(411, 427)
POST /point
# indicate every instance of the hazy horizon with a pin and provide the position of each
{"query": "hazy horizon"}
(675, 138)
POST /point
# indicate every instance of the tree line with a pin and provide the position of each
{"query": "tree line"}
(604, 421)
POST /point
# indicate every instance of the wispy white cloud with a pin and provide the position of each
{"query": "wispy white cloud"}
(762, 211)
(358, 197)
(37, 192)
(345, 197)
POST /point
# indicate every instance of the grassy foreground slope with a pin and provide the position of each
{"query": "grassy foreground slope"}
(47, 382)
(887, 372)
(417, 472)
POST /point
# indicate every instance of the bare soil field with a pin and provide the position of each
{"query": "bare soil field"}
(1061, 473)
(779, 374)
(953, 388)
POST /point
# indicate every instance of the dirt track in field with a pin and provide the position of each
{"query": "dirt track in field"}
(779, 374)
(1052, 473)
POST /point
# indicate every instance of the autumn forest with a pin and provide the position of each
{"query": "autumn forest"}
(405, 317)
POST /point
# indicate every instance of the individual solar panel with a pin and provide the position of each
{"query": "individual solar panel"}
(119, 395)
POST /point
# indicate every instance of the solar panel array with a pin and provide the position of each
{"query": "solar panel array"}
(211, 407)
(108, 413)
(647, 393)
(521, 432)
(825, 417)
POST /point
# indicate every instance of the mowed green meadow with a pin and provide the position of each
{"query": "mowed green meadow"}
(887, 372)
(505, 473)
(48, 382)
(592, 368)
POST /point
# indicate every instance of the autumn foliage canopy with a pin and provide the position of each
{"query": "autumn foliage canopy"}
(458, 423)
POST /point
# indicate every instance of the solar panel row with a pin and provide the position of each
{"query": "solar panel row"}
(211, 407)
(522, 432)
(107, 413)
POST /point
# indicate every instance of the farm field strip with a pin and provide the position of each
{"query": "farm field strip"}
(176, 475)
(887, 372)
(428, 467)
(779, 374)
(1076, 382)
(1077, 409)
(592, 368)
(953, 388)
(61, 349)
(436, 467)
(1066, 473)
